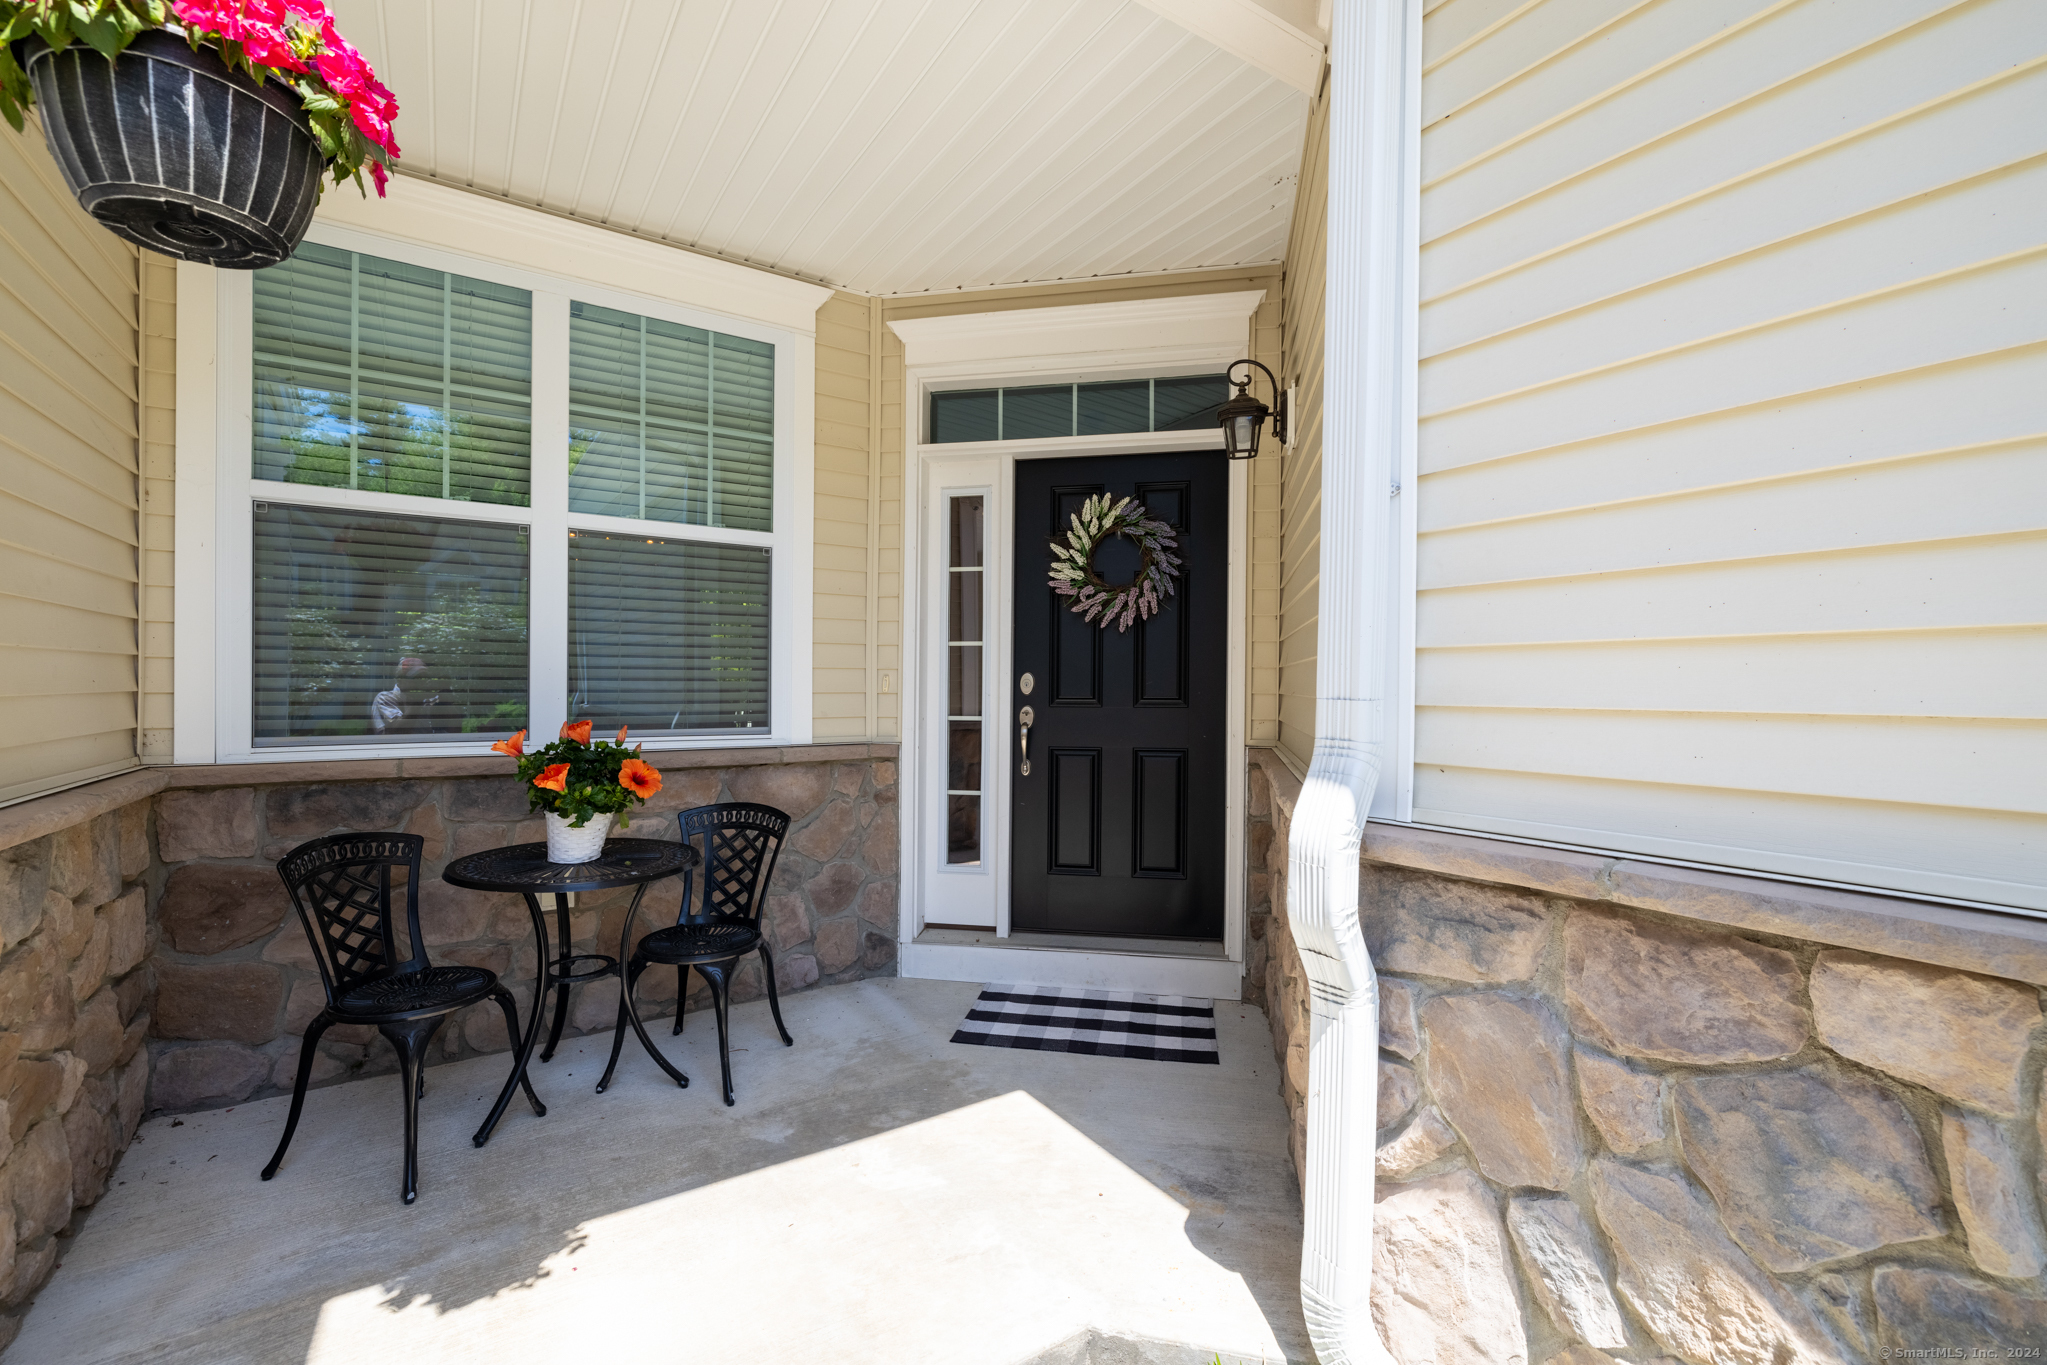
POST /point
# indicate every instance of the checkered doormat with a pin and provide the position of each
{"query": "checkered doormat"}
(1167, 1028)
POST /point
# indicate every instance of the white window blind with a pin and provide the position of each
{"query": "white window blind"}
(386, 627)
(668, 636)
(379, 375)
(669, 423)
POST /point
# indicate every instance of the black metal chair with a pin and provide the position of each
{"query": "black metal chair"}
(740, 843)
(341, 887)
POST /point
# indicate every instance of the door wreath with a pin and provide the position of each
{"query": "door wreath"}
(1073, 571)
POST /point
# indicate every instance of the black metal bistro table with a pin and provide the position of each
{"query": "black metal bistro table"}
(524, 868)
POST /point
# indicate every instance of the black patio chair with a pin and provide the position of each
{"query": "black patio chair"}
(341, 887)
(740, 843)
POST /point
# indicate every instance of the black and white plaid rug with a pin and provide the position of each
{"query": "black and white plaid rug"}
(1168, 1028)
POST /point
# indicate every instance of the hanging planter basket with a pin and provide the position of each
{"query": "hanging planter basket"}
(174, 151)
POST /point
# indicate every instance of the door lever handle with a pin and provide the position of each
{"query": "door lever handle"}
(1025, 719)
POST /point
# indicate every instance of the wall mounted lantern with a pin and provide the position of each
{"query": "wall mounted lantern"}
(1243, 416)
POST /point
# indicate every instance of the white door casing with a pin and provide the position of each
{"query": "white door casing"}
(1078, 343)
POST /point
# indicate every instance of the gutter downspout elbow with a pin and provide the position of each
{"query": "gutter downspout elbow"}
(1368, 423)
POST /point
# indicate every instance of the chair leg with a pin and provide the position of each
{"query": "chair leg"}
(307, 1047)
(511, 1009)
(627, 977)
(774, 1003)
(719, 984)
(681, 996)
(410, 1038)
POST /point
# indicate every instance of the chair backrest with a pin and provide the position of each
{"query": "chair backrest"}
(341, 887)
(740, 841)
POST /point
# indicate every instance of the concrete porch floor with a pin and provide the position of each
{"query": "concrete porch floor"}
(878, 1194)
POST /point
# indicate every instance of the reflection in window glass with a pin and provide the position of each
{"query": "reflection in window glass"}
(968, 415)
(1035, 414)
(379, 375)
(668, 636)
(669, 423)
(1187, 404)
(964, 687)
(382, 628)
(1109, 408)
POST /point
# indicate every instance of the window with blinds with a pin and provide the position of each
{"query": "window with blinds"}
(669, 423)
(379, 375)
(383, 628)
(375, 624)
(668, 636)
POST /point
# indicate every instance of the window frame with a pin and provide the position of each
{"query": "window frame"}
(221, 730)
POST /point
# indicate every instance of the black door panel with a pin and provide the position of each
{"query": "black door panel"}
(1118, 829)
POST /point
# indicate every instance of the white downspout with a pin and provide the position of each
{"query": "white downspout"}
(1368, 422)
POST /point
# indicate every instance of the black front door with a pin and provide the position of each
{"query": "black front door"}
(1118, 827)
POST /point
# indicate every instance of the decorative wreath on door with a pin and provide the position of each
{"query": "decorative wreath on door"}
(1073, 571)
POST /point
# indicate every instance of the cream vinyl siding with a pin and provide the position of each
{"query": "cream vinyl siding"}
(1733, 437)
(1300, 576)
(69, 514)
(842, 663)
(1263, 572)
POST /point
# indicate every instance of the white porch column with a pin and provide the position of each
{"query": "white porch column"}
(1368, 419)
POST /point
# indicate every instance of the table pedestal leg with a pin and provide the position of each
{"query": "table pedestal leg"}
(542, 980)
(561, 978)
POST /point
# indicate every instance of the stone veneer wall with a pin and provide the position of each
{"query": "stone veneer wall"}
(236, 979)
(1611, 1134)
(75, 1003)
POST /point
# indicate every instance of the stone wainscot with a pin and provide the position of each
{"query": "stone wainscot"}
(1641, 1114)
(150, 960)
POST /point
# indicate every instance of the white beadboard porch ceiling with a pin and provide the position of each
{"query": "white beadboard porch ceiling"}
(883, 146)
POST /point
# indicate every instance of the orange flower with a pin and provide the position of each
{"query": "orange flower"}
(515, 746)
(621, 734)
(641, 779)
(579, 731)
(554, 778)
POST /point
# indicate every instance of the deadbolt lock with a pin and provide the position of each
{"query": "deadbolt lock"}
(1025, 684)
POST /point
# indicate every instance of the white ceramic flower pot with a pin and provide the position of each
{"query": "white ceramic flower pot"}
(566, 844)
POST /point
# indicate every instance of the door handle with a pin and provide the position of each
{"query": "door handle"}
(1025, 719)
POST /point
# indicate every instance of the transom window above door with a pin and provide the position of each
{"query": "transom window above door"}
(1042, 412)
(471, 504)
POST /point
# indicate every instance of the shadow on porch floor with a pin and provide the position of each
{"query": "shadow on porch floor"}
(878, 1194)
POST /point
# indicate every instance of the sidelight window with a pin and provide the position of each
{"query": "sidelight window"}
(965, 575)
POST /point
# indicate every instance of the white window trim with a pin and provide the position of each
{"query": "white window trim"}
(526, 249)
(1069, 343)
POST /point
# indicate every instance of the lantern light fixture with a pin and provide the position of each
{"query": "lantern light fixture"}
(1243, 416)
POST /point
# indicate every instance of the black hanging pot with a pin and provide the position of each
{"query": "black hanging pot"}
(174, 151)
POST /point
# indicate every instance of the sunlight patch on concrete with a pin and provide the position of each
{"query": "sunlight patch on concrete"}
(987, 1233)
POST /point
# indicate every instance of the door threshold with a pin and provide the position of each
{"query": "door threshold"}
(1079, 943)
(1146, 966)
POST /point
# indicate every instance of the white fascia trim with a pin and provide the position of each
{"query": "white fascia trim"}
(1247, 30)
(194, 510)
(1074, 336)
(435, 215)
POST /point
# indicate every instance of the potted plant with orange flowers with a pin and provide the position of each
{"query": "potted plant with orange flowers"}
(582, 786)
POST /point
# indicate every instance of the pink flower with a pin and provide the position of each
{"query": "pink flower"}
(374, 125)
(378, 174)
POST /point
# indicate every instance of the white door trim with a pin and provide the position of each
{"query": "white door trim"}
(1183, 335)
